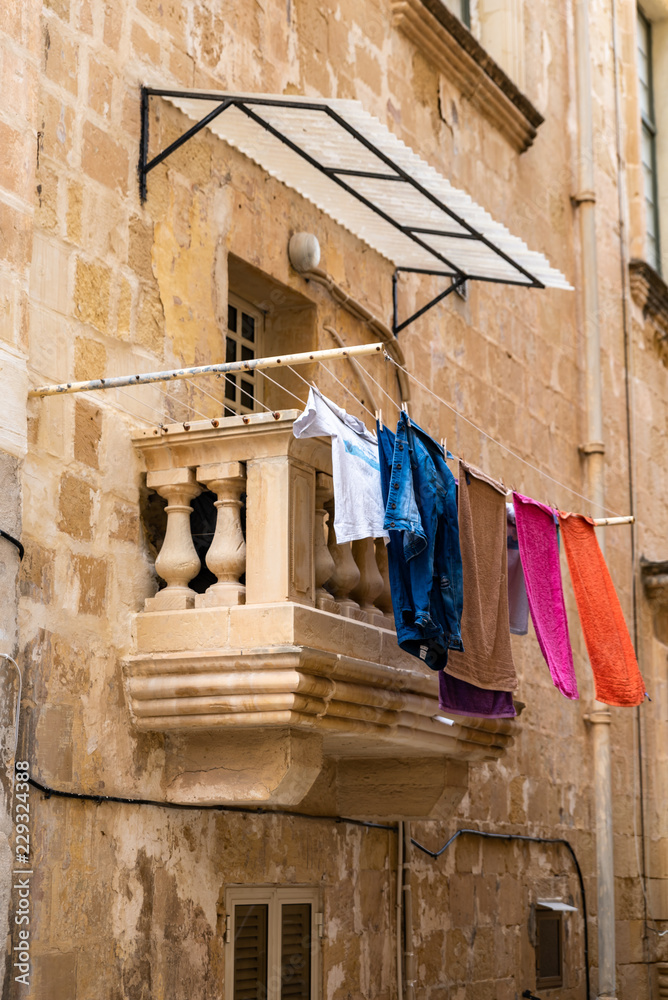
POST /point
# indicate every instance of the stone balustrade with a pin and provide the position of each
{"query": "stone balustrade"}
(286, 671)
(287, 556)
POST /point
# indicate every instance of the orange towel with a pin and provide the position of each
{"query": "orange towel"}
(611, 654)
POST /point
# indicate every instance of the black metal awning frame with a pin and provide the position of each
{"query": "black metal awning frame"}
(246, 103)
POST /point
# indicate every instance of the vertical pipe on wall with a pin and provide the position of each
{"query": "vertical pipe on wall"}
(409, 956)
(400, 909)
(622, 202)
(593, 451)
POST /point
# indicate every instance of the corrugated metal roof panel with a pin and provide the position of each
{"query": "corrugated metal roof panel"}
(351, 166)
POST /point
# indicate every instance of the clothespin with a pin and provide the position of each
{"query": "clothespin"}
(379, 417)
(404, 407)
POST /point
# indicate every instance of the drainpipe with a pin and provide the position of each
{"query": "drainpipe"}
(594, 451)
(409, 955)
(400, 908)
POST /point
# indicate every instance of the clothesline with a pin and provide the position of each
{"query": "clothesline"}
(510, 451)
(599, 522)
(259, 364)
(466, 569)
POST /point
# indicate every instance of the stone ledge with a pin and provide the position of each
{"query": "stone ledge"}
(459, 56)
(302, 687)
(650, 293)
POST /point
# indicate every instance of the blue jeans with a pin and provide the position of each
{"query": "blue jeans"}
(425, 564)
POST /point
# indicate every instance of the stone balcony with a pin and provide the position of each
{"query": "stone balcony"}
(283, 683)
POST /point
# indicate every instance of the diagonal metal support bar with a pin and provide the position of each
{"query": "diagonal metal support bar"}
(398, 327)
(146, 165)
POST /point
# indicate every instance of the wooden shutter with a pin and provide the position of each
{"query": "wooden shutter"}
(296, 951)
(548, 949)
(250, 952)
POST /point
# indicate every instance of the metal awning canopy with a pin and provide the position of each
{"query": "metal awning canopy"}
(557, 905)
(348, 164)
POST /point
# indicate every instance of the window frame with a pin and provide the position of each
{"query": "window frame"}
(549, 982)
(464, 14)
(274, 896)
(648, 128)
(241, 406)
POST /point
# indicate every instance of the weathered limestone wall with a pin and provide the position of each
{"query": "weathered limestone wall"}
(19, 48)
(127, 897)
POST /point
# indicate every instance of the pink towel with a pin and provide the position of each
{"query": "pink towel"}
(539, 552)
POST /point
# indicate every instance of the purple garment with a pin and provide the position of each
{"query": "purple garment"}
(518, 602)
(459, 697)
(539, 552)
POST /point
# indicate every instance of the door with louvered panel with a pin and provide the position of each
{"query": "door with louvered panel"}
(250, 952)
(272, 943)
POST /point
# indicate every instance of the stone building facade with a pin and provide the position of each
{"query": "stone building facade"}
(134, 866)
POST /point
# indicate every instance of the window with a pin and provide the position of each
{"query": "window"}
(272, 944)
(499, 25)
(242, 343)
(648, 141)
(549, 937)
(461, 9)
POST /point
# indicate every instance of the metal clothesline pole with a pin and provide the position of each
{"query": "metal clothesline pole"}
(222, 369)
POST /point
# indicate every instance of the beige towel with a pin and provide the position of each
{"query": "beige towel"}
(487, 660)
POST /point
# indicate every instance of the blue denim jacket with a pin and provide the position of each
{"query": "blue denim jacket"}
(425, 563)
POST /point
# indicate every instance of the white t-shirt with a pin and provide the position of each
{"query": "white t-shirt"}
(358, 503)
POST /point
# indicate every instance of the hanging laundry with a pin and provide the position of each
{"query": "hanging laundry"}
(539, 552)
(358, 504)
(611, 654)
(487, 659)
(518, 602)
(423, 553)
(459, 698)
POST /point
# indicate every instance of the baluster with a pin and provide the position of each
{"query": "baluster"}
(324, 564)
(384, 599)
(226, 557)
(371, 582)
(346, 574)
(177, 561)
(662, 970)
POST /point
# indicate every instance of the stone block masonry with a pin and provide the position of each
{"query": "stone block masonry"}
(92, 282)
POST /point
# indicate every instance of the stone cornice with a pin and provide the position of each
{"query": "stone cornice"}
(454, 50)
(655, 580)
(650, 292)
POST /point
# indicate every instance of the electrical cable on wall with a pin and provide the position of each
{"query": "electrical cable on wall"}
(14, 541)
(527, 839)
(48, 791)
